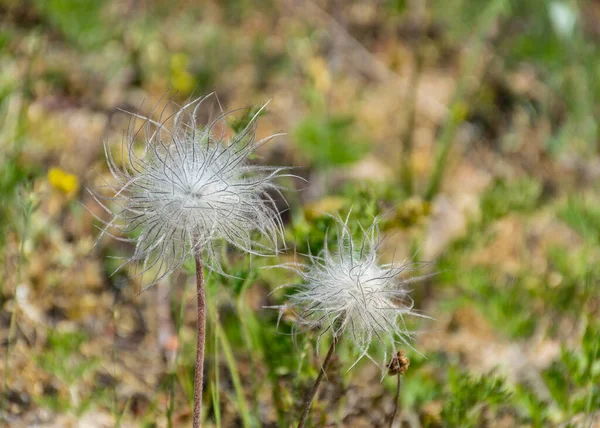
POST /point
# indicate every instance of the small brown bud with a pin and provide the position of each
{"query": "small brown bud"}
(399, 364)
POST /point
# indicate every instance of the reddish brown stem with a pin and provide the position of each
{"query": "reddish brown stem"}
(201, 327)
(313, 391)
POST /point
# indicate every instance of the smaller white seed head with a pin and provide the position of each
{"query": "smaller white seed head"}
(190, 190)
(346, 290)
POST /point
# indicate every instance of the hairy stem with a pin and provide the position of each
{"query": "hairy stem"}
(313, 391)
(201, 337)
(397, 403)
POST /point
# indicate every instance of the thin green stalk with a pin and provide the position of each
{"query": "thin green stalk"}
(171, 401)
(114, 357)
(28, 209)
(235, 376)
(172, 376)
(588, 406)
(407, 138)
(345, 383)
(458, 107)
(303, 350)
(215, 383)
(445, 143)
(248, 324)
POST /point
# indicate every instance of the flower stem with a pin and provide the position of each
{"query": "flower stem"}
(311, 394)
(201, 327)
(397, 403)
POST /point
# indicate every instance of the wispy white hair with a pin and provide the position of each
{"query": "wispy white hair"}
(189, 190)
(346, 290)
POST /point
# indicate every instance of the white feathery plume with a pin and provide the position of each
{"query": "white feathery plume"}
(346, 290)
(190, 190)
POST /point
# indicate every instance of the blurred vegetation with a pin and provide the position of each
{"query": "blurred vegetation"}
(487, 169)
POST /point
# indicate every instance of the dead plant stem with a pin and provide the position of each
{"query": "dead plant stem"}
(397, 402)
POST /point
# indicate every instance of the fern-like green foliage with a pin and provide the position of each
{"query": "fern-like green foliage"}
(584, 217)
(504, 197)
(469, 396)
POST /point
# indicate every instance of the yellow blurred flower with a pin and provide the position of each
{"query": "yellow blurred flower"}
(327, 204)
(63, 181)
(183, 82)
(179, 61)
(319, 72)
(181, 79)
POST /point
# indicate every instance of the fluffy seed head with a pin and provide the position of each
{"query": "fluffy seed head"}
(346, 290)
(188, 190)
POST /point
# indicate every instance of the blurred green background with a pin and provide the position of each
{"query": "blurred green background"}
(471, 126)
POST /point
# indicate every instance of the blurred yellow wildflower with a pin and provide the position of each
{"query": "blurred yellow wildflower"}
(316, 209)
(181, 79)
(319, 72)
(63, 181)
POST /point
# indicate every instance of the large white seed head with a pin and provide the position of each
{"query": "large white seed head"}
(346, 291)
(188, 191)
